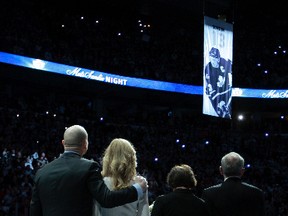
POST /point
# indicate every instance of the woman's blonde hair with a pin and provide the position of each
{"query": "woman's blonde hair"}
(119, 162)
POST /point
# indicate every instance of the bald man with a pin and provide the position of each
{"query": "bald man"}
(69, 184)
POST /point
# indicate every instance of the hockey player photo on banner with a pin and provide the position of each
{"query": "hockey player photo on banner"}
(217, 70)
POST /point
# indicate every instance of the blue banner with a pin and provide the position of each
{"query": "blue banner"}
(113, 79)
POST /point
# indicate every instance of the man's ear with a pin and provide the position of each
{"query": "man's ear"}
(85, 145)
(220, 170)
(242, 171)
(63, 142)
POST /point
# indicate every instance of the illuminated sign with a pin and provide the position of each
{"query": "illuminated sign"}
(113, 79)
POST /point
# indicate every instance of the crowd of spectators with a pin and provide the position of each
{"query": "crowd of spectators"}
(32, 127)
(32, 124)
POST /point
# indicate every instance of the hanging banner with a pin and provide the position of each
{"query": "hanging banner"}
(217, 70)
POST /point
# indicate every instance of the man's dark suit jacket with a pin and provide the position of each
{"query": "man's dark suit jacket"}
(234, 198)
(68, 185)
(181, 202)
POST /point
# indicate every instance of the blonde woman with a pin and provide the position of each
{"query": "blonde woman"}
(119, 172)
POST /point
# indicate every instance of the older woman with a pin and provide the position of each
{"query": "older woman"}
(181, 200)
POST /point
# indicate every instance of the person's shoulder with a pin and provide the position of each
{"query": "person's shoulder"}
(199, 200)
(49, 164)
(46, 168)
(161, 197)
(108, 181)
(172, 195)
(87, 160)
(225, 62)
(90, 163)
(213, 187)
(252, 187)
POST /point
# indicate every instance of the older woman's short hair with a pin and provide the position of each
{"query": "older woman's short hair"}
(181, 176)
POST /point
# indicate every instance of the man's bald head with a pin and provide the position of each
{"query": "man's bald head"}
(74, 137)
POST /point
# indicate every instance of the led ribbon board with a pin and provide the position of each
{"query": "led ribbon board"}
(99, 76)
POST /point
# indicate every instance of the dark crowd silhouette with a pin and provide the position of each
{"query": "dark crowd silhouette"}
(33, 117)
(32, 127)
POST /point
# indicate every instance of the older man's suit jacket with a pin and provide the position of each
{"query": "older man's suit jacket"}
(181, 202)
(68, 185)
(234, 198)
